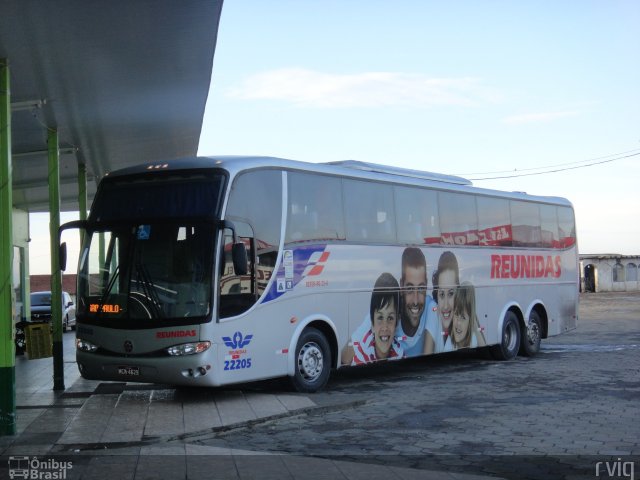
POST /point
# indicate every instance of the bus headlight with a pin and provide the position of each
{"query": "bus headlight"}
(188, 348)
(85, 346)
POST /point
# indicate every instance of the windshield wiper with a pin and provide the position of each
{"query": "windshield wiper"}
(105, 295)
(149, 290)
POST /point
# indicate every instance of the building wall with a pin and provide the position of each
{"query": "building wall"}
(615, 273)
(20, 269)
(23, 283)
(41, 283)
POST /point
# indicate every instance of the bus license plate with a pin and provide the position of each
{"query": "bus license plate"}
(129, 371)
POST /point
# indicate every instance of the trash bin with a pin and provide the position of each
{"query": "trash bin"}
(39, 341)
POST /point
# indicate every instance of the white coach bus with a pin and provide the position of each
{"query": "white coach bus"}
(212, 271)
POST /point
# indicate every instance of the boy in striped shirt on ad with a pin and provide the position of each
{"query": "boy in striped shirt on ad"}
(379, 341)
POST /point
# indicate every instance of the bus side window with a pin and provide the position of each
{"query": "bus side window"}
(315, 210)
(566, 227)
(369, 212)
(458, 219)
(525, 224)
(237, 292)
(549, 226)
(494, 222)
(255, 207)
(416, 215)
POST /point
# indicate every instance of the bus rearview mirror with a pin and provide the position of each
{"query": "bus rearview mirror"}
(63, 256)
(239, 256)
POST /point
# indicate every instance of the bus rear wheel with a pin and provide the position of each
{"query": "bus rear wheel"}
(530, 344)
(313, 362)
(509, 345)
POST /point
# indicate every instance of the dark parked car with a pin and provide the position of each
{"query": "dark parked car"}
(41, 309)
(41, 313)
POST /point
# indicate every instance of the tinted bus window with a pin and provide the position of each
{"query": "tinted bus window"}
(256, 197)
(162, 196)
(238, 292)
(369, 212)
(566, 227)
(549, 226)
(494, 222)
(417, 216)
(315, 208)
(458, 220)
(525, 224)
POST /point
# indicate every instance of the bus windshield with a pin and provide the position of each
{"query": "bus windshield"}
(138, 275)
(147, 261)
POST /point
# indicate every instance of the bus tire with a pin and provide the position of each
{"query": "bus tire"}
(312, 362)
(509, 345)
(530, 341)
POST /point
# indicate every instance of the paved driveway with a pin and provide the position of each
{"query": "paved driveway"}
(570, 412)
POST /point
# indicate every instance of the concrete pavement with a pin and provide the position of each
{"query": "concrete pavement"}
(96, 430)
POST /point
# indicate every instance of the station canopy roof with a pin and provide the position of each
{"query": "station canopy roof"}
(122, 81)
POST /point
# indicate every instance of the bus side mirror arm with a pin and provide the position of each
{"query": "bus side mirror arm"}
(238, 251)
(62, 252)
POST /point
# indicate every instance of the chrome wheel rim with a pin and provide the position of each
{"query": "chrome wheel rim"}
(533, 333)
(510, 338)
(310, 361)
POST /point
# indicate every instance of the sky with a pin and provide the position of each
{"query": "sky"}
(479, 89)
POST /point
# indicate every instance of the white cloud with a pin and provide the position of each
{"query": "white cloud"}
(308, 88)
(539, 117)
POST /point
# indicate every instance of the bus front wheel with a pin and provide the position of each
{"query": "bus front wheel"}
(313, 362)
(509, 344)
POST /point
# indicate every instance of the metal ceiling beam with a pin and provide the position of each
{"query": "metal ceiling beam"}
(43, 153)
(42, 182)
(27, 105)
(68, 203)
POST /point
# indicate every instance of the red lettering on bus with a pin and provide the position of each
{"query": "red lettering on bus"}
(495, 266)
(176, 334)
(539, 266)
(526, 266)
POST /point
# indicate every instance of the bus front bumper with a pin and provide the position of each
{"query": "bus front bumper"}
(196, 369)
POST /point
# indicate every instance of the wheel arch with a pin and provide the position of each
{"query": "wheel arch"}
(515, 308)
(321, 323)
(539, 307)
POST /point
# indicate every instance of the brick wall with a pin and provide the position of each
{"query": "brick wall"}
(39, 283)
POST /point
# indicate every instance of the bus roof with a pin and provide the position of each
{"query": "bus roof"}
(401, 172)
(235, 164)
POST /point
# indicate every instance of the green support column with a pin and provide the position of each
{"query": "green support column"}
(7, 347)
(56, 274)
